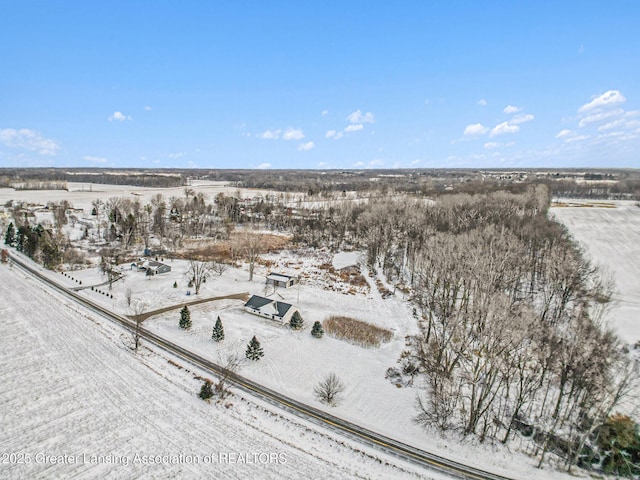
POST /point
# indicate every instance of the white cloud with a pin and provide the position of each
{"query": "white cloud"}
(607, 99)
(305, 147)
(354, 127)
(504, 127)
(119, 116)
(375, 163)
(576, 138)
(570, 136)
(522, 118)
(92, 159)
(28, 139)
(270, 134)
(492, 145)
(358, 164)
(324, 112)
(264, 166)
(333, 134)
(565, 133)
(509, 109)
(293, 134)
(147, 108)
(600, 116)
(623, 123)
(475, 129)
(482, 102)
(176, 155)
(359, 117)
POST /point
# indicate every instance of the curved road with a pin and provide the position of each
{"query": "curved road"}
(401, 450)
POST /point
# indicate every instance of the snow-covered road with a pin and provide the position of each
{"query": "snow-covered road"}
(75, 402)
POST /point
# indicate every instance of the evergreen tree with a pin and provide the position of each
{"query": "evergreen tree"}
(254, 350)
(185, 318)
(206, 391)
(317, 330)
(619, 443)
(218, 331)
(296, 322)
(10, 236)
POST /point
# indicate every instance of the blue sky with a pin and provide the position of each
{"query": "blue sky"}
(324, 84)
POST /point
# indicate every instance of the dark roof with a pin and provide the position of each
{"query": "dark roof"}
(283, 308)
(256, 302)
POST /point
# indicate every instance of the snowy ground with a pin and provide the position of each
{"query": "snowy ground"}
(611, 238)
(295, 361)
(76, 402)
(80, 195)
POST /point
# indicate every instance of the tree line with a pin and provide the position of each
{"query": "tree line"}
(511, 315)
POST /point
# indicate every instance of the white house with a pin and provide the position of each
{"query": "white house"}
(151, 265)
(272, 309)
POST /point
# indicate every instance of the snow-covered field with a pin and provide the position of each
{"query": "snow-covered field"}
(295, 361)
(611, 238)
(143, 393)
(75, 402)
(80, 195)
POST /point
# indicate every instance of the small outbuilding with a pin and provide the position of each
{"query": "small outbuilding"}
(272, 309)
(281, 280)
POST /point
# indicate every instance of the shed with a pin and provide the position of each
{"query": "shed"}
(281, 280)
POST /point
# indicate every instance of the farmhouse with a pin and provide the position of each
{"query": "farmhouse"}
(271, 309)
(280, 280)
(151, 265)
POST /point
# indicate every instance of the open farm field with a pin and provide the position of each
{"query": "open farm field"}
(611, 239)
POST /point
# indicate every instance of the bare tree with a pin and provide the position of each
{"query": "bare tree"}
(329, 390)
(108, 262)
(252, 245)
(198, 273)
(219, 267)
(137, 308)
(229, 361)
(97, 205)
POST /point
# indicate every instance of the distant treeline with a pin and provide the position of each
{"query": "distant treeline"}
(627, 189)
(40, 186)
(15, 177)
(324, 182)
(583, 183)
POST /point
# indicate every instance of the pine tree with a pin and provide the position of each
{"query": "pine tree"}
(218, 331)
(10, 236)
(296, 322)
(254, 350)
(317, 330)
(206, 392)
(185, 318)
